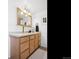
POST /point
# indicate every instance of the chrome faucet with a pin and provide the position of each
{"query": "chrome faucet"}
(23, 28)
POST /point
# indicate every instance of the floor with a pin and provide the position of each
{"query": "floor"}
(39, 54)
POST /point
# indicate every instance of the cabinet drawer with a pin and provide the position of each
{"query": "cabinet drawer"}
(37, 36)
(32, 37)
(23, 39)
(25, 54)
(36, 41)
(24, 46)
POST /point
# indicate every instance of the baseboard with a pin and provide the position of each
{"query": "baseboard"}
(43, 48)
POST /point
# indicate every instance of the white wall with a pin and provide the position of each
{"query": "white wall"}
(11, 19)
(35, 6)
(38, 18)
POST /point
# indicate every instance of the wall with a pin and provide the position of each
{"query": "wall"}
(11, 19)
(42, 26)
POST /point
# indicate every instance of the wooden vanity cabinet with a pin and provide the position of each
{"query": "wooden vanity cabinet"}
(23, 47)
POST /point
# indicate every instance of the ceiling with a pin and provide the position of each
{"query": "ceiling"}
(35, 6)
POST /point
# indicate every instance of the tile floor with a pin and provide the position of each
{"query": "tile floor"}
(39, 54)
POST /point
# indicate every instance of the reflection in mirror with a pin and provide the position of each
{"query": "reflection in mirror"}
(24, 18)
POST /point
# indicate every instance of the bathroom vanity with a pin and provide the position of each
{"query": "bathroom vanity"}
(23, 45)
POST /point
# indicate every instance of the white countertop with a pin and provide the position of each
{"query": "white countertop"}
(18, 34)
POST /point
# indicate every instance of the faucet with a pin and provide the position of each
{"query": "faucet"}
(23, 28)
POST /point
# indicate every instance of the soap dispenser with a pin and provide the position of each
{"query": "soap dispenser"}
(37, 27)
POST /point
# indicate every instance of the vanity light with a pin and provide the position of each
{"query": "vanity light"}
(25, 11)
(22, 13)
(29, 13)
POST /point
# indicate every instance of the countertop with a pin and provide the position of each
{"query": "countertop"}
(15, 34)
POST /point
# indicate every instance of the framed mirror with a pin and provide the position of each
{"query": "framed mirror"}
(24, 18)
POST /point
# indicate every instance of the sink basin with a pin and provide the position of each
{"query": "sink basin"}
(24, 32)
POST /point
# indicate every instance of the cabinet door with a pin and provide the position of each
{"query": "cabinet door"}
(36, 41)
(31, 43)
(24, 39)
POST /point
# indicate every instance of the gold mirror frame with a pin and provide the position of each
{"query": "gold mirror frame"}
(18, 18)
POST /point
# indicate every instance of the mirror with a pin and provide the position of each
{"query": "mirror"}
(24, 18)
